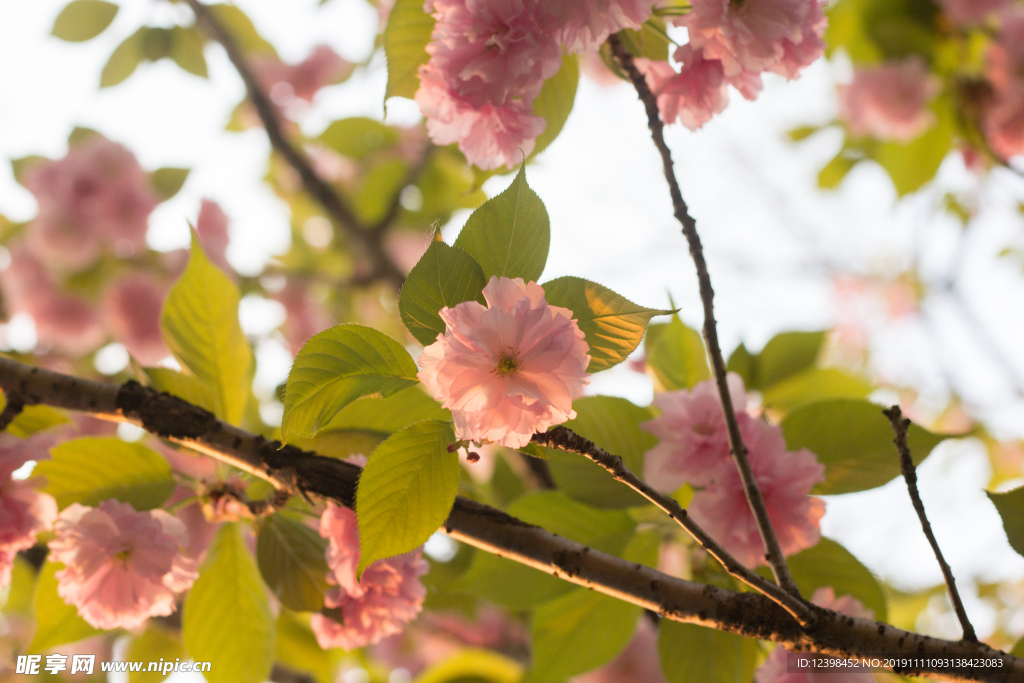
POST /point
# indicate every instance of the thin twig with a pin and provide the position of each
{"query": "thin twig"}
(361, 237)
(774, 555)
(288, 468)
(899, 427)
(565, 439)
(12, 410)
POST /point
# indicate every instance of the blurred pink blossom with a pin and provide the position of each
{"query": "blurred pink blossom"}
(1004, 122)
(284, 82)
(493, 51)
(306, 316)
(68, 324)
(971, 11)
(131, 311)
(489, 135)
(691, 96)
(889, 101)
(774, 669)
(96, 195)
(510, 369)
(785, 479)
(692, 438)
(782, 36)
(406, 247)
(387, 596)
(24, 512)
(121, 566)
(594, 68)
(638, 663)
(212, 229)
(585, 24)
(1004, 116)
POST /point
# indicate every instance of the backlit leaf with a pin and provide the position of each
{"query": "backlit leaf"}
(695, 654)
(828, 564)
(123, 60)
(405, 41)
(83, 19)
(56, 621)
(677, 357)
(444, 276)
(555, 102)
(1010, 506)
(168, 181)
(291, 559)
(406, 490)
(613, 324)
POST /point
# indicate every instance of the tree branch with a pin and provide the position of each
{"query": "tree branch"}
(565, 439)
(11, 411)
(291, 469)
(774, 555)
(363, 238)
(899, 427)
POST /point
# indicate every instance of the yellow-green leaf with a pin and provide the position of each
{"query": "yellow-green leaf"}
(444, 276)
(83, 19)
(405, 41)
(291, 558)
(56, 621)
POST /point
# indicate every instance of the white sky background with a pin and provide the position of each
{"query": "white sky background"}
(768, 233)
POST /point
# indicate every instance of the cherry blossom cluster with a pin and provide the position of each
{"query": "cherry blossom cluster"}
(1004, 116)
(889, 101)
(378, 604)
(510, 369)
(95, 201)
(288, 83)
(489, 60)
(693, 449)
(24, 511)
(733, 43)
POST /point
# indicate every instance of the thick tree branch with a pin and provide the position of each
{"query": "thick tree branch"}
(774, 555)
(567, 440)
(899, 427)
(292, 469)
(365, 239)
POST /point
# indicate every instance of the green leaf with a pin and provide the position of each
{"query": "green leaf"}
(405, 46)
(677, 357)
(444, 276)
(123, 60)
(1010, 506)
(377, 188)
(336, 367)
(156, 43)
(786, 354)
(828, 564)
(509, 235)
(297, 648)
(227, 619)
(744, 364)
(32, 419)
(517, 586)
(577, 632)
(613, 424)
(187, 51)
(153, 645)
(92, 469)
(80, 135)
(19, 595)
(389, 415)
(855, 443)
(813, 385)
(650, 42)
(242, 30)
(406, 491)
(83, 19)
(834, 171)
(167, 182)
(187, 387)
(471, 665)
(56, 622)
(802, 133)
(695, 654)
(613, 324)
(555, 102)
(912, 164)
(358, 136)
(291, 558)
(1018, 649)
(19, 167)
(200, 326)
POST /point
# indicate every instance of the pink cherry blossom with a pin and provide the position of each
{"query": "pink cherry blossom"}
(692, 439)
(493, 51)
(785, 479)
(585, 24)
(97, 194)
(774, 669)
(782, 36)
(510, 369)
(638, 663)
(306, 316)
(594, 68)
(380, 603)
(490, 136)
(971, 11)
(406, 247)
(1004, 122)
(68, 324)
(691, 96)
(24, 512)
(120, 566)
(889, 101)
(131, 311)
(212, 229)
(285, 82)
